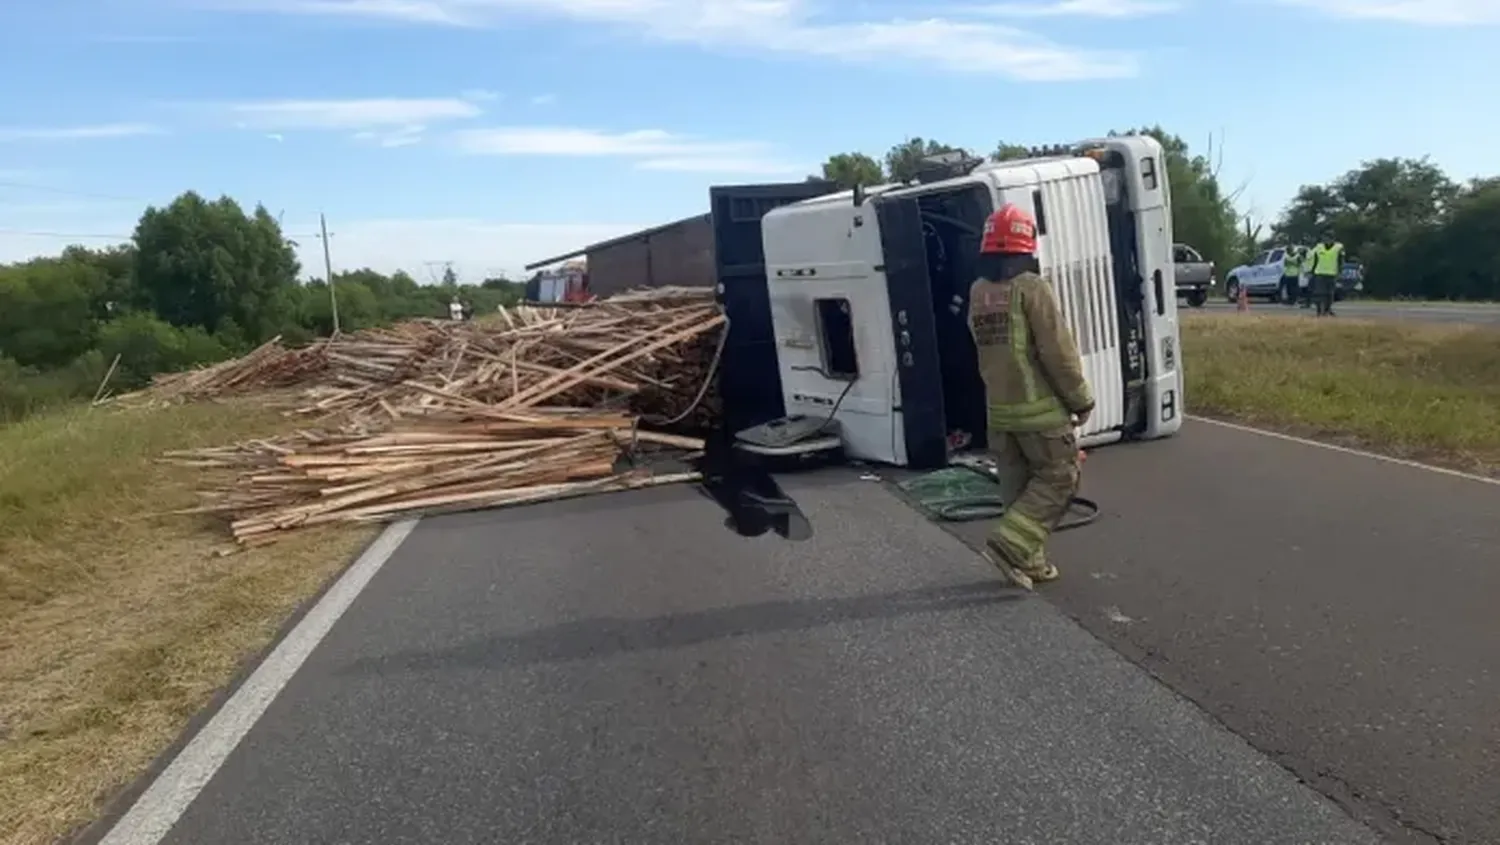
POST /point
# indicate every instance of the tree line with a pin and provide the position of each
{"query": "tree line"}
(1419, 233)
(200, 281)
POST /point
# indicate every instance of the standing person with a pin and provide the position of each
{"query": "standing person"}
(1291, 272)
(1304, 282)
(1328, 259)
(1036, 393)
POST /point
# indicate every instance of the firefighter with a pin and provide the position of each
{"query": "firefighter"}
(1328, 258)
(1035, 389)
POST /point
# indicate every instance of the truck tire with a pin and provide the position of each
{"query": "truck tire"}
(1197, 298)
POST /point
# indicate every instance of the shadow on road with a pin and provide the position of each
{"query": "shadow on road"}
(606, 637)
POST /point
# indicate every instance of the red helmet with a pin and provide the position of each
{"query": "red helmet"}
(1010, 231)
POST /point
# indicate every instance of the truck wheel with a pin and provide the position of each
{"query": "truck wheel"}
(1232, 292)
(1197, 298)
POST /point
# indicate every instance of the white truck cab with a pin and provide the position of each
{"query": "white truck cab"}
(853, 306)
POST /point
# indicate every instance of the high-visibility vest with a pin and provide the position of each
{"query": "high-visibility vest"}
(1307, 261)
(1289, 264)
(1327, 259)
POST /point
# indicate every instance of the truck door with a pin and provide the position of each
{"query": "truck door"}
(919, 369)
(750, 383)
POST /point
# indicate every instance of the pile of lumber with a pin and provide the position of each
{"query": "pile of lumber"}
(423, 467)
(649, 352)
(529, 404)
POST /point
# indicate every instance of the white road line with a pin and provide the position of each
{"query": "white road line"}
(1346, 450)
(152, 816)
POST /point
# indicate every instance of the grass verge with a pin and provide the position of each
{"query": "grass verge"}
(1420, 391)
(115, 628)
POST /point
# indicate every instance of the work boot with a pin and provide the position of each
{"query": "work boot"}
(1012, 574)
(1039, 570)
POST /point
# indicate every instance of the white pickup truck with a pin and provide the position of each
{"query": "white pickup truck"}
(1261, 278)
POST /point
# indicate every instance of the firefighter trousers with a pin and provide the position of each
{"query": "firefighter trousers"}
(1039, 474)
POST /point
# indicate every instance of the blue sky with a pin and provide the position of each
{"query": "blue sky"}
(490, 133)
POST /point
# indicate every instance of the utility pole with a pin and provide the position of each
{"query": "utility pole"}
(333, 298)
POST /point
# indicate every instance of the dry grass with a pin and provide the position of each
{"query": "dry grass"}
(116, 628)
(1430, 392)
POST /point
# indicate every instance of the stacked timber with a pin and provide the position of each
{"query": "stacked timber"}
(649, 351)
(429, 416)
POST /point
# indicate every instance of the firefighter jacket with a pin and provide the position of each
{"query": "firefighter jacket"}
(1033, 374)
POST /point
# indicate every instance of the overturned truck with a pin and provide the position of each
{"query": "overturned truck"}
(847, 310)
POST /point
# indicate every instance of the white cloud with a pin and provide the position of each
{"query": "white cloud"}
(544, 99)
(477, 248)
(75, 133)
(388, 122)
(1079, 8)
(441, 12)
(965, 45)
(358, 114)
(653, 149)
(1425, 12)
(405, 136)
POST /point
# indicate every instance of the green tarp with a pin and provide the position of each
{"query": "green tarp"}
(955, 494)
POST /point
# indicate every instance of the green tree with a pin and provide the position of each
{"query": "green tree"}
(904, 160)
(1456, 256)
(49, 309)
(850, 169)
(208, 264)
(148, 345)
(1372, 209)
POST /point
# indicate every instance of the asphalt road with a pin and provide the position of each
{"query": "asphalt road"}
(1479, 315)
(1337, 612)
(628, 670)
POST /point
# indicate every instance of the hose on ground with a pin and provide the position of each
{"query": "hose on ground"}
(1081, 511)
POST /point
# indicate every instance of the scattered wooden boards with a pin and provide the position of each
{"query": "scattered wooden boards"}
(429, 416)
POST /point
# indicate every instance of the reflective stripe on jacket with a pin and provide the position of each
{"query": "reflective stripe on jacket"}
(1028, 358)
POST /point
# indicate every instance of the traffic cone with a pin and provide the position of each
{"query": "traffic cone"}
(1244, 303)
